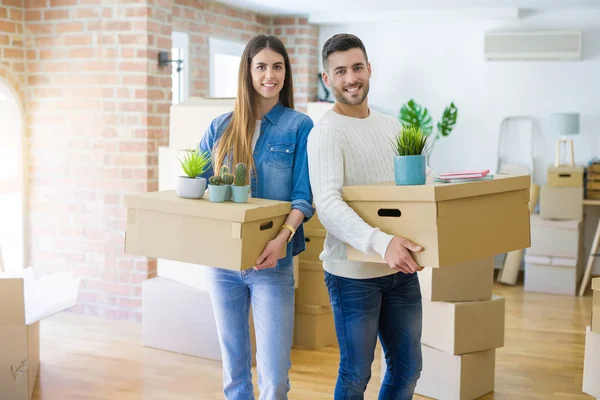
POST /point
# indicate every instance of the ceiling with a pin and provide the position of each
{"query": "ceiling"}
(331, 11)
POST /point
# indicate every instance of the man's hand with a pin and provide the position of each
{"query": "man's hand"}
(398, 255)
(271, 254)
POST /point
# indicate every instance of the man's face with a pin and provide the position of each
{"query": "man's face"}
(348, 74)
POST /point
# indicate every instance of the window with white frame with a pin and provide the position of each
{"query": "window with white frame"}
(224, 63)
(180, 80)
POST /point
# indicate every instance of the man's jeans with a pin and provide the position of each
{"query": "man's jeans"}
(271, 293)
(388, 307)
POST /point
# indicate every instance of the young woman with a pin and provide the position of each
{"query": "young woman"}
(266, 134)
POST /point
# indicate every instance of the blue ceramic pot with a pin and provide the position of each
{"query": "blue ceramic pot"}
(410, 170)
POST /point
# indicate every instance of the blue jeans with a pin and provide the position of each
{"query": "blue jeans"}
(271, 294)
(363, 309)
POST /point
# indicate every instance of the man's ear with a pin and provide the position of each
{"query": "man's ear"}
(326, 78)
(369, 68)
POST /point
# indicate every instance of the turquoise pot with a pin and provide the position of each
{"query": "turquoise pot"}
(216, 194)
(410, 170)
(239, 194)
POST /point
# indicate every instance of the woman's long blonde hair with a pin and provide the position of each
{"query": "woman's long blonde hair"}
(237, 137)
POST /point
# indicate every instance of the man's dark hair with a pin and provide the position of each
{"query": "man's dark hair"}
(342, 42)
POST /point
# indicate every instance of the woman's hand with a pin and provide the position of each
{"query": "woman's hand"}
(271, 254)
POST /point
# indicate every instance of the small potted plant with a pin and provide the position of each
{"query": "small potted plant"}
(240, 190)
(410, 163)
(216, 189)
(227, 181)
(194, 164)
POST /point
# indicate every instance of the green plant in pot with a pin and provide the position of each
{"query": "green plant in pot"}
(414, 114)
(194, 164)
(216, 189)
(410, 163)
(240, 190)
(227, 181)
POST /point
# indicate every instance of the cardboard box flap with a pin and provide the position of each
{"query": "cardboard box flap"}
(315, 232)
(313, 310)
(436, 191)
(538, 222)
(167, 201)
(31, 300)
(596, 284)
(566, 169)
(536, 259)
(311, 266)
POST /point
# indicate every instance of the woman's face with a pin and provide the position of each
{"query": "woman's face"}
(268, 73)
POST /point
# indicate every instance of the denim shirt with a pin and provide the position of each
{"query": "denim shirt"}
(281, 163)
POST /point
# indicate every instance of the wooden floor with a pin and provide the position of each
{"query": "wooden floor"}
(88, 358)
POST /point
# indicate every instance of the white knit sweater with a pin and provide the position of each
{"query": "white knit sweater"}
(345, 151)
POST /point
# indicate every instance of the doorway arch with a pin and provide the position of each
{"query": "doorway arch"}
(12, 179)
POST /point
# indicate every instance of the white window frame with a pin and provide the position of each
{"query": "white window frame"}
(181, 41)
(221, 46)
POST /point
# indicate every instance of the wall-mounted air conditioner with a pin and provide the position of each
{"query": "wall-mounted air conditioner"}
(547, 45)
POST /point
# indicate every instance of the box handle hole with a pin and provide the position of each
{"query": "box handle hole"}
(307, 240)
(266, 225)
(564, 175)
(389, 212)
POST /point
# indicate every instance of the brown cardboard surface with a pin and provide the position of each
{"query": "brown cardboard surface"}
(180, 318)
(464, 327)
(19, 360)
(596, 313)
(12, 302)
(313, 290)
(223, 235)
(591, 364)
(314, 327)
(561, 202)
(470, 281)
(454, 223)
(565, 176)
(450, 377)
(314, 248)
(596, 284)
(313, 223)
(556, 238)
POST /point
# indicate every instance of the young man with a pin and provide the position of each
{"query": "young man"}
(351, 145)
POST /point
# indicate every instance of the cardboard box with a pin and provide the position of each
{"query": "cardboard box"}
(24, 301)
(555, 238)
(180, 319)
(565, 176)
(465, 327)
(469, 281)
(190, 119)
(552, 274)
(561, 202)
(314, 224)
(223, 235)
(314, 327)
(596, 305)
(315, 240)
(313, 290)
(450, 377)
(454, 222)
(591, 364)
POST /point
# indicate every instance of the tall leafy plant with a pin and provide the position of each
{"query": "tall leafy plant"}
(413, 114)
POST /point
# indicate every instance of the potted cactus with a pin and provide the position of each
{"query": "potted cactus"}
(216, 189)
(240, 191)
(227, 181)
(194, 164)
(410, 163)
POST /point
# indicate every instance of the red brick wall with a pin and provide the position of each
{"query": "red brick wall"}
(97, 110)
(302, 41)
(12, 45)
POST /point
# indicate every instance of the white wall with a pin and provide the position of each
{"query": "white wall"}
(438, 62)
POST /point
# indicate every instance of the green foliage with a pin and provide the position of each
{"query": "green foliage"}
(411, 141)
(240, 175)
(227, 179)
(215, 180)
(194, 163)
(413, 114)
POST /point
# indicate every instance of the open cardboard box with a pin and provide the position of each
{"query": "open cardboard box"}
(453, 222)
(24, 301)
(222, 235)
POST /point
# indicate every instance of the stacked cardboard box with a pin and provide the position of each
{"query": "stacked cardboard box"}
(314, 325)
(593, 182)
(553, 264)
(591, 362)
(463, 324)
